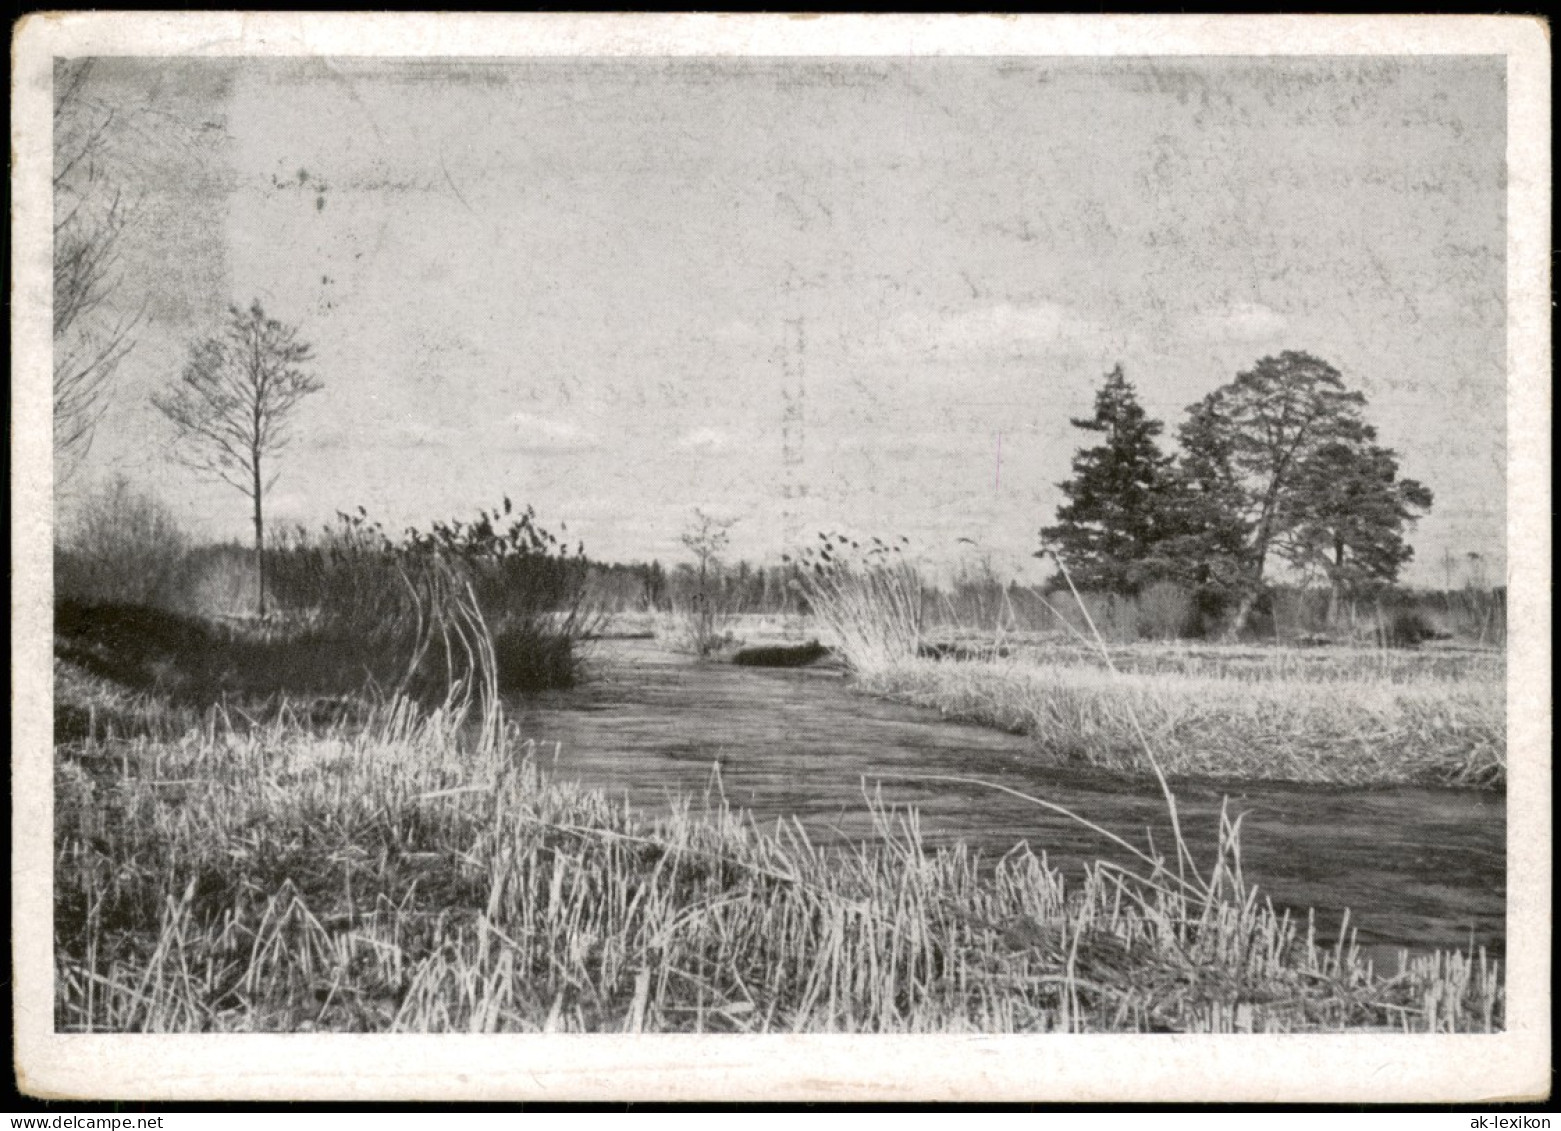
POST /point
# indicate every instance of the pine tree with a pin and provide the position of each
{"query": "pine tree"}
(1280, 463)
(1107, 532)
(1347, 515)
(1204, 537)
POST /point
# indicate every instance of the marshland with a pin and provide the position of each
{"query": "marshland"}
(880, 820)
(774, 553)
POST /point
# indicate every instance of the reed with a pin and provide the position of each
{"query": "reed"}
(1346, 717)
(418, 871)
(868, 603)
(1341, 730)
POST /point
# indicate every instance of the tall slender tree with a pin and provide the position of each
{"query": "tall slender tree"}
(232, 405)
(1107, 531)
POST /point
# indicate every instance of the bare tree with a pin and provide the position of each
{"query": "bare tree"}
(91, 337)
(707, 539)
(232, 405)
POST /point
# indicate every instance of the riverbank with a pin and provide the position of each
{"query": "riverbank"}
(397, 874)
(1359, 721)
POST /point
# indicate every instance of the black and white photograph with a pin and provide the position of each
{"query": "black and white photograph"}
(668, 537)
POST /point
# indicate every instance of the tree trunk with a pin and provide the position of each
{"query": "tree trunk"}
(1338, 585)
(1243, 613)
(260, 548)
(1260, 558)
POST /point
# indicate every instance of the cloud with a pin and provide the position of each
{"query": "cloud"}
(416, 434)
(539, 434)
(1004, 328)
(518, 432)
(1238, 322)
(703, 440)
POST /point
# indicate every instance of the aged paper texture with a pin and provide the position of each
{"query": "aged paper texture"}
(881, 238)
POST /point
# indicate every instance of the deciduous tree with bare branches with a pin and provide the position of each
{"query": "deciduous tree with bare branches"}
(232, 405)
(92, 334)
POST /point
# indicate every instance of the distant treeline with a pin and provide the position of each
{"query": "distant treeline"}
(125, 548)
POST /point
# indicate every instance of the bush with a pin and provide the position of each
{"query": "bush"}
(700, 626)
(1407, 628)
(124, 547)
(1113, 615)
(868, 600)
(527, 589)
(1165, 612)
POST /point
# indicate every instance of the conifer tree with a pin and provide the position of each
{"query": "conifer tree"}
(1108, 530)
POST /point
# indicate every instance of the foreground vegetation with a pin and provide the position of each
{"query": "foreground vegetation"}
(406, 872)
(324, 822)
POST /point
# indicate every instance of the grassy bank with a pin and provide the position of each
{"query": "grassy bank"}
(403, 873)
(1350, 716)
(1344, 724)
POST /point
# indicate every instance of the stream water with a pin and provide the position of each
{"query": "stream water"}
(1417, 868)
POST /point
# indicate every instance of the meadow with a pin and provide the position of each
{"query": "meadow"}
(1344, 715)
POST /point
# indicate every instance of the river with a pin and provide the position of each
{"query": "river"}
(1418, 868)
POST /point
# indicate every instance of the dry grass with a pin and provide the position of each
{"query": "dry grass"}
(1336, 728)
(410, 874)
(1338, 716)
(870, 611)
(414, 871)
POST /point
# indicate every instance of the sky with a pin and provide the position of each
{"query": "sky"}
(806, 295)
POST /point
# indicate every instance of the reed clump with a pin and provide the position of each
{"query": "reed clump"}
(525, 586)
(866, 599)
(359, 613)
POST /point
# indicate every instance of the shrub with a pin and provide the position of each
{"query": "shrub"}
(526, 587)
(1113, 615)
(1165, 612)
(700, 624)
(124, 547)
